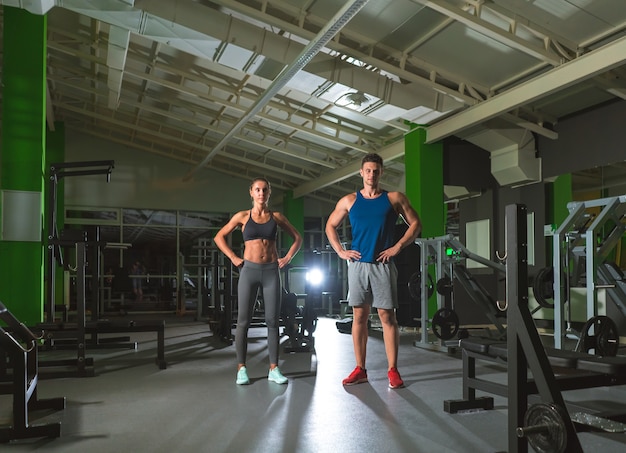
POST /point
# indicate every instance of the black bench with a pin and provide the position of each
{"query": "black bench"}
(572, 370)
(95, 328)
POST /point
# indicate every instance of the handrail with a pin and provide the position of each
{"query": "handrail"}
(17, 343)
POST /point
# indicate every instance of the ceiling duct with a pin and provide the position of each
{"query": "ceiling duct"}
(458, 193)
(513, 155)
(39, 7)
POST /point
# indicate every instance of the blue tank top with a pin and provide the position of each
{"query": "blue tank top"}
(373, 225)
(267, 230)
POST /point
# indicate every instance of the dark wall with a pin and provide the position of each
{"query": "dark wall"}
(491, 205)
(592, 139)
(467, 165)
(407, 262)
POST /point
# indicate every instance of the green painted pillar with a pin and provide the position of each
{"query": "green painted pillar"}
(294, 211)
(424, 187)
(55, 152)
(424, 181)
(558, 195)
(23, 163)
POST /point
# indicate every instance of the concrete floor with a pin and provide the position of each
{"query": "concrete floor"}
(195, 406)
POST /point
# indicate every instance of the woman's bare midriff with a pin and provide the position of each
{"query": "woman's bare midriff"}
(260, 251)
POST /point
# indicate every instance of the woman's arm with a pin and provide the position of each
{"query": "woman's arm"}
(284, 223)
(220, 238)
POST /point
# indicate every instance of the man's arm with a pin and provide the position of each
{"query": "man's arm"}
(334, 220)
(403, 207)
(411, 218)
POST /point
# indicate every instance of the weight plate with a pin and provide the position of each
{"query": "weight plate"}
(604, 340)
(415, 286)
(444, 286)
(553, 437)
(445, 323)
(543, 287)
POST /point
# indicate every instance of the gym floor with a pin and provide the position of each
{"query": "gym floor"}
(194, 405)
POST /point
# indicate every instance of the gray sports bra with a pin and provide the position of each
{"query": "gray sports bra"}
(267, 230)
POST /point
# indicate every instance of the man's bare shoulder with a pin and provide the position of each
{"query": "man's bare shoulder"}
(396, 196)
(347, 200)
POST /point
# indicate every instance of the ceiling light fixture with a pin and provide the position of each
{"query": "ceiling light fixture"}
(353, 100)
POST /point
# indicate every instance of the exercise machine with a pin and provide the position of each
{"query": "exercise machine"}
(447, 255)
(581, 244)
(58, 243)
(548, 426)
(18, 350)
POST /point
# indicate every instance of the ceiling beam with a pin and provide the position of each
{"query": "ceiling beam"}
(307, 128)
(589, 65)
(116, 60)
(492, 31)
(343, 16)
(388, 154)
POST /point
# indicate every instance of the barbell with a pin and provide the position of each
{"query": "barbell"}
(604, 340)
(545, 428)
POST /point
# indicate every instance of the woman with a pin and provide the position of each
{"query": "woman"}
(259, 268)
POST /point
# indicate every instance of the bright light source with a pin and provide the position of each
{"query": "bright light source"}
(315, 277)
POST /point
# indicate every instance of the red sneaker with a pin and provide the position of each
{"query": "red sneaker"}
(358, 376)
(395, 381)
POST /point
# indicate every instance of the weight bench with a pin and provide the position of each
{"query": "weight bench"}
(69, 331)
(572, 370)
(133, 326)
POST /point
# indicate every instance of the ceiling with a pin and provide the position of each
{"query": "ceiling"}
(300, 90)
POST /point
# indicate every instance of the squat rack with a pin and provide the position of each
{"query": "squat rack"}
(525, 349)
(583, 235)
(58, 171)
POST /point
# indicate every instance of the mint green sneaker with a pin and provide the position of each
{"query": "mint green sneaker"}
(242, 376)
(276, 376)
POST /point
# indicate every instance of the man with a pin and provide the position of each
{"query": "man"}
(372, 275)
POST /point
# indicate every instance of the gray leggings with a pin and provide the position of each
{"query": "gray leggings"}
(253, 276)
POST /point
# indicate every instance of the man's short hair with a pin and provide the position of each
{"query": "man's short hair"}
(372, 157)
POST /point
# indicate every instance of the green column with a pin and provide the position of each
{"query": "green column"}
(424, 181)
(424, 187)
(23, 161)
(558, 195)
(294, 211)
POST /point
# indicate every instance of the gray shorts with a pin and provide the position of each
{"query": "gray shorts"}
(374, 284)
